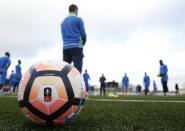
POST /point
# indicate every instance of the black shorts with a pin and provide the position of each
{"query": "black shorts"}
(165, 86)
(74, 55)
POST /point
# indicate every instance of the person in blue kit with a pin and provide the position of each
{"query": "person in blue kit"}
(18, 75)
(138, 89)
(125, 82)
(146, 81)
(12, 81)
(164, 76)
(74, 38)
(4, 65)
(86, 80)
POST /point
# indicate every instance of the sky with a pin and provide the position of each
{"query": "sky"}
(122, 36)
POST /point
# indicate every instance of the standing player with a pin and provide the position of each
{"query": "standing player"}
(125, 82)
(74, 38)
(4, 65)
(102, 84)
(177, 89)
(86, 80)
(146, 81)
(12, 81)
(18, 75)
(164, 76)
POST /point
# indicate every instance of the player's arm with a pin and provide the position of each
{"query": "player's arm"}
(7, 65)
(82, 31)
(89, 77)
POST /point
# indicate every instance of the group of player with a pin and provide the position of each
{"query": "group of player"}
(138, 88)
(146, 82)
(14, 78)
(163, 74)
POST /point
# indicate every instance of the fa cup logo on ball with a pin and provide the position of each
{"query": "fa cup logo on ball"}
(47, 94)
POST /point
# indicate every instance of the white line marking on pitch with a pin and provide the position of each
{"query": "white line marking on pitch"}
(118, 100)
(146, 101)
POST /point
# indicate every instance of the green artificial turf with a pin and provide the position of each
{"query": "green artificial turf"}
(142, 97)
(105, 116)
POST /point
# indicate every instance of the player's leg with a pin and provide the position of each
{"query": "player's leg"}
(104, 89)
(148, 92)
(164, 87)
(125, 90)
(10, 86)
(67, 56)
(18, 82)
(3, 80)
(89, 89)
(1, 83)
(77, 58)
(145, 91)
(14, 87)
(86, 85)
(1, 89)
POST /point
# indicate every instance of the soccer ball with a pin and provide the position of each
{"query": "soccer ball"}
(51, 93)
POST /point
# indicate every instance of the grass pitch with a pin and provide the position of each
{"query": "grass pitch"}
(106, 116)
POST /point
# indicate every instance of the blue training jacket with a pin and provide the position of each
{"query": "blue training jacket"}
(4, 63)
(86, 77)
(73, 32)
(146, 81)
(163, 72)
(18, 71)
(125, 81)
(13, 77)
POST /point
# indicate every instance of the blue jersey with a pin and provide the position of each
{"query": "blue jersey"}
(4, 63)
(73, 32)
(13, 77)
(163, 72)
(18, 72)
(146, 81)
(125, 81)
(86, 77)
